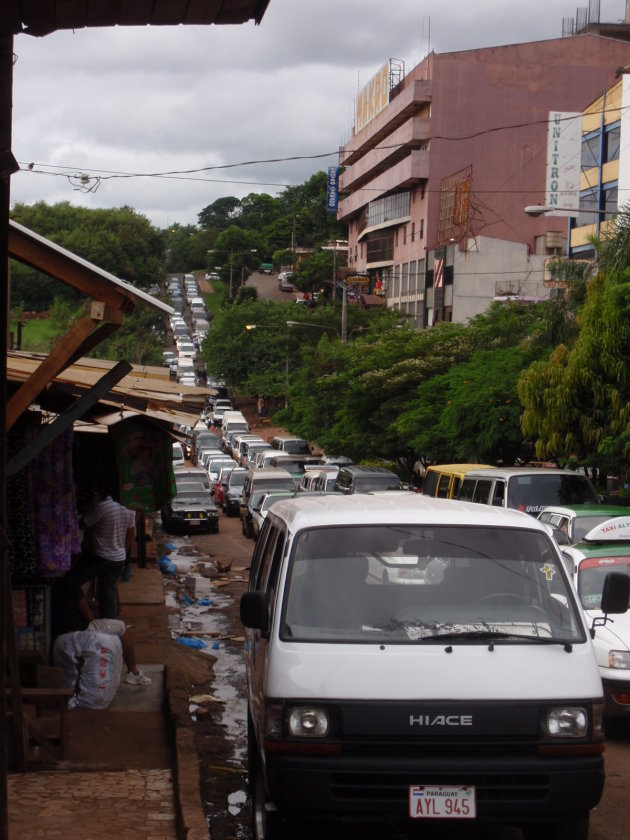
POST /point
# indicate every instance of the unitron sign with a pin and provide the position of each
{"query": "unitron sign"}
(564, 152)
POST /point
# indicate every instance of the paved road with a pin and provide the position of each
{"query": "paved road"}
(267, 285)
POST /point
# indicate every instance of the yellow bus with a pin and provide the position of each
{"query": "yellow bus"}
(442, 480)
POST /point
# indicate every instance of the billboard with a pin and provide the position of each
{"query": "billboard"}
(564, 153)
(372, 98)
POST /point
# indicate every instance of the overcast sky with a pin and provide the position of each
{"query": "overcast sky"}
(144, 100)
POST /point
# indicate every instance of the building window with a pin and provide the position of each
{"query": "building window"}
(404, 234)
(396, 292)
(388, 209)
(612, 138)
(589, 201)
(421, 233)
(380, 246)
(591, 144)
(413, 231)
(609, 201)
(405, 279)
(412, 277)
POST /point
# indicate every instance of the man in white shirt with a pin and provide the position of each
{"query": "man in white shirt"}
(110, 529)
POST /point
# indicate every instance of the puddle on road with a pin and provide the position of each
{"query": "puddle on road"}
(202, 620)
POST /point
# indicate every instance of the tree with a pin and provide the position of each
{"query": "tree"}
(119, 241)
(219, 215)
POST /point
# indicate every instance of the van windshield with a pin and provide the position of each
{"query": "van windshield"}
(423, 584)
(531, 493)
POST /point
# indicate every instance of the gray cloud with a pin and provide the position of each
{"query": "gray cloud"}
(147, 100)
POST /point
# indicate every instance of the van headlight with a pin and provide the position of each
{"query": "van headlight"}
(567, 722)
(619, 659)
(308, 722)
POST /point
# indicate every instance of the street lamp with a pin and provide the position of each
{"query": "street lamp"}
(535, 210)
(307, 324)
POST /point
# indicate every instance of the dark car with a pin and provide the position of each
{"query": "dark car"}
(191, 509)
(360, 479)
(232, 491)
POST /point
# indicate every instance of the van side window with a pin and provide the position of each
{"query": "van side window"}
(467, 490)
(498, 495)
(482, 491)
(442, 491)
(430, 483)
(255, 572)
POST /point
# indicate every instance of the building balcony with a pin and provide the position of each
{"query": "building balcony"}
(403, 175)
(413, 134)
(400, 110)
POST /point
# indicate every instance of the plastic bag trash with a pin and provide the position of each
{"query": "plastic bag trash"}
(186, 599)
(216, 646)
(167, 566)
(206, 602)
(170, 546)
(191, 641)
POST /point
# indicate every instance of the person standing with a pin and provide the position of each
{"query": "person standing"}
(110, 529)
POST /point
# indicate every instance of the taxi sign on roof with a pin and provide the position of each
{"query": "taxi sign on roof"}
(617, 528)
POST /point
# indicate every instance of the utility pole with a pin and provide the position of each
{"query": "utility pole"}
(231, 262)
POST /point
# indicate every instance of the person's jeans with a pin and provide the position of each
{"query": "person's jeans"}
(108, 573)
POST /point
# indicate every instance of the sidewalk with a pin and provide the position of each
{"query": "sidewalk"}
(132, 770)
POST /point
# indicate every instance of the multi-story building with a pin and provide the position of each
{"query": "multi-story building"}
(443, 161)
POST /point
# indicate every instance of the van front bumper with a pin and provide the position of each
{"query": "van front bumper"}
(509, 789)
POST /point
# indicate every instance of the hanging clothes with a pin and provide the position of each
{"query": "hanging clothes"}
(144, 457)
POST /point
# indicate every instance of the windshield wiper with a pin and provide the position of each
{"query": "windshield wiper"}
(493, 635)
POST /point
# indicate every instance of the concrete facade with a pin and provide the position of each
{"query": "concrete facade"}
(437, 181)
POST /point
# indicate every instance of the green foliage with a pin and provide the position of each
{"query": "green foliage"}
(316, 272)
(220, 214)
(119, 241)
(187, 248)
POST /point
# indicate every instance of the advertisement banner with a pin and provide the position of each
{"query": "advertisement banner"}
(332, 190)
(564, 153)
(372, 98)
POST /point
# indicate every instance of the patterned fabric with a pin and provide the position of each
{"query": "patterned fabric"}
(22, 553)
(144, 457)
(42, 519)
(55, 506)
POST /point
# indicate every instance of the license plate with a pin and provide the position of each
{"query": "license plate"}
(193, 522)
(439, 802)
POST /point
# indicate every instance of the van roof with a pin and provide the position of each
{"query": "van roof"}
(396, 508)
(507, 472)
(457, 469)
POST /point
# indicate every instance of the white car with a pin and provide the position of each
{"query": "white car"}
(605, 549)
(187, 350)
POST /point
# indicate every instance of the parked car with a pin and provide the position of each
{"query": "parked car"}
(185, 474)
(344, 722)
(529, 489)
(260, 511)
(285, 283)
(214, 466)
(217, 489)
(577, 520)
(233, 491)
(605, 549)
(178, 454)
(191, 509)
(360, 479)
(443, 481)
(291, 444)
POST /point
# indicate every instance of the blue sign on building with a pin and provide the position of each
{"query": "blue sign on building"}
(332, 190)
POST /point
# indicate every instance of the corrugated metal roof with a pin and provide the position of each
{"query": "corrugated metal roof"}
(41, 17)
(147, 390)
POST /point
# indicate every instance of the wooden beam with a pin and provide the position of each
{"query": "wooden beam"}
(52, 365)
(65, 420)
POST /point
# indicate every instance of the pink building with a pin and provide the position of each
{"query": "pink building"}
(438, 172)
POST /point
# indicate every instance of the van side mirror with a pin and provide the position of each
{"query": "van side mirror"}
(616, 593)
(254, 610)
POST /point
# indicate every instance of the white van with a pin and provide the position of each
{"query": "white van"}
(529, 489)
(233, 421)
(411, 659)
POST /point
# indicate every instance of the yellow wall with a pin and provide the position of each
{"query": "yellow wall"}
(592, 118)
